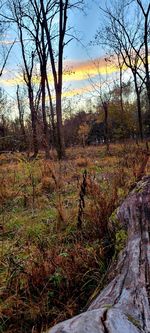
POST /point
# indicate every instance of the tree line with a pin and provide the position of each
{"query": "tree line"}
(43, 31)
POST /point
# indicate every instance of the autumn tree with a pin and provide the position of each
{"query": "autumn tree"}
(83, 133)
(102, 92)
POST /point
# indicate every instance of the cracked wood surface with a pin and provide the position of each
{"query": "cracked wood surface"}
(124, 305)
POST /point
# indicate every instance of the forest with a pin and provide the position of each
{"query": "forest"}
(74, 166)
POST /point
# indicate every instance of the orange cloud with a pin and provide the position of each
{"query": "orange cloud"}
(74, 71)
(81, 70)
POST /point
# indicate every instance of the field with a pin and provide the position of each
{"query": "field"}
(58, 231)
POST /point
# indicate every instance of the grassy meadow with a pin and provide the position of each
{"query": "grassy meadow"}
(58, 231)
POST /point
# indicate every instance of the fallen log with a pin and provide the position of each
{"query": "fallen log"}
(124, 304)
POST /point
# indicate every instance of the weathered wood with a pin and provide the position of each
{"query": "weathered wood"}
(124, 305)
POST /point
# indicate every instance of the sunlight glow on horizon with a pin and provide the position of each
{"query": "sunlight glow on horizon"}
(74, 72)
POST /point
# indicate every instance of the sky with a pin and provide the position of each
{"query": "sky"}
(83, 60)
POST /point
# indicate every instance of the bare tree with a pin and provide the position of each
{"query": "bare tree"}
(33, 24)
(5, 51)
(146, 41)
(50, 31)
(31, 36)
(122, 39)
(41, 47)
(60, 10)
(28, 57)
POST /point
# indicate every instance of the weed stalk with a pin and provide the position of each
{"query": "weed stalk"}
(82, 200)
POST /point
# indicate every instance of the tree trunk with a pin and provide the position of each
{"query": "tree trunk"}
(145, 13)
(121, 91)
(105, 107)
(51, 114)
(34, 122)
(45, 125)
(138, 108)
(124, 305)
(57, 73)
(60, 134)
(147, 64)
(21, 118)
(121, 63)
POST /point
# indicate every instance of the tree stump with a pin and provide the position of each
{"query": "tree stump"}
(124, 304)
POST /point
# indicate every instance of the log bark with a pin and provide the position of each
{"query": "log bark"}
(123, 306)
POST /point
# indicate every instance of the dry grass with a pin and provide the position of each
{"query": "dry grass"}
(49, 268)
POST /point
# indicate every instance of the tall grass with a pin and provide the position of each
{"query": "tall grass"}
(49, 266)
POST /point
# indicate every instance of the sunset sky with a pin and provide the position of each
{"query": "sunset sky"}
(81, 61)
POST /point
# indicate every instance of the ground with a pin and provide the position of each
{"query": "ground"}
(50, 264)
